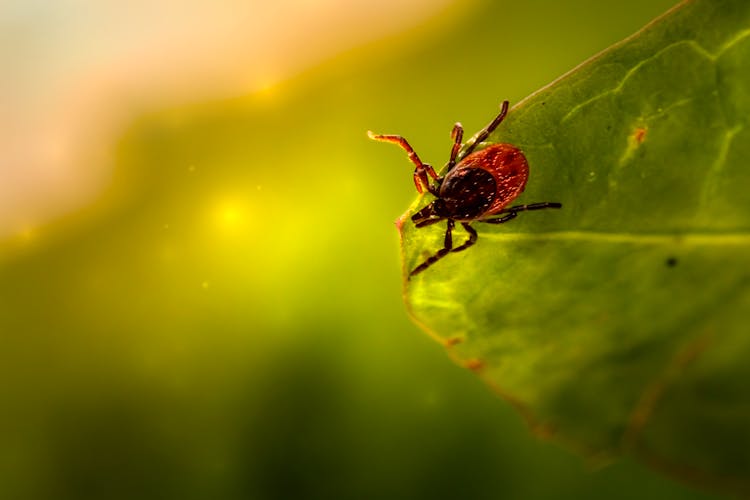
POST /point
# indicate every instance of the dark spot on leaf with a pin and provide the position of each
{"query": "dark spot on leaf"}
(671, 261)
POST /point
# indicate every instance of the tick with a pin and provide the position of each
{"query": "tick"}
(475, 186)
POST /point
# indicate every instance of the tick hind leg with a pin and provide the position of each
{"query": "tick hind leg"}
(512, 212)
(447, 246)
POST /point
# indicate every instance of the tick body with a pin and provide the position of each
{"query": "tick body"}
(481, 185)
(478, 187)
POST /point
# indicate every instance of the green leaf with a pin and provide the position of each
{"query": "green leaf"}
(619, 324)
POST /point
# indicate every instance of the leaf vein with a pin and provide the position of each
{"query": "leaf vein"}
(713, 177)
(733, 41)
(632, 71)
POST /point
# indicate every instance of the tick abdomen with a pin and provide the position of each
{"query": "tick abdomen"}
(485, 182)
(467, 192)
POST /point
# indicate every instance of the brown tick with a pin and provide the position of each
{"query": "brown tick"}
(476, 188)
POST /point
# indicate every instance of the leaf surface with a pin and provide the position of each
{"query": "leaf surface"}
(619, 324)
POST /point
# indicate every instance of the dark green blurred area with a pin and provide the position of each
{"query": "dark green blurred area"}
(227, 321)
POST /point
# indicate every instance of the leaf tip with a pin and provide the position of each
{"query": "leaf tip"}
(400, 223)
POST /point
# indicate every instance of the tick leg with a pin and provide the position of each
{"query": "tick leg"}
(457, 134)
(501, 220)
(472, 237)
(421, 170)
(447, 246)
(486, 131)
(428, 222)
(512, 212)
(532, 206)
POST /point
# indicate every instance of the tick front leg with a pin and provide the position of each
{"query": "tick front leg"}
(447, 246)
(421, 170)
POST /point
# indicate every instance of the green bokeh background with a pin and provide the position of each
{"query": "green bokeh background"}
(226, 321)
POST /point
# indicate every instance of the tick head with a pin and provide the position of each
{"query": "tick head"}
(435, 211)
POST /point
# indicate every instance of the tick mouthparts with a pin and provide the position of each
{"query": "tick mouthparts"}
(428, 215)
(424, 214)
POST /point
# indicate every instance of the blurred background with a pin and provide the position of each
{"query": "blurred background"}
(200, 286)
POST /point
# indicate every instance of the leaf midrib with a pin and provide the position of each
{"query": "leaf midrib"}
(695, 239)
